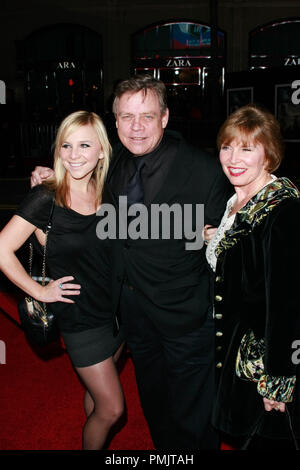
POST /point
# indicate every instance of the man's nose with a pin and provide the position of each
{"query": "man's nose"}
(136, 123)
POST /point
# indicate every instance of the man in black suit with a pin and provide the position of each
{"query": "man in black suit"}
(161, 284)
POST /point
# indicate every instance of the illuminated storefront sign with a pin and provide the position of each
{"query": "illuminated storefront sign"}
(292, 61)
(181, 54)
(178, 63)
(66, 65)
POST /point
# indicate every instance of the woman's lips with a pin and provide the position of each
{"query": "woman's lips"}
(236, 171)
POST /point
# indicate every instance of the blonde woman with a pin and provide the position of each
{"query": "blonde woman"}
(74, 253)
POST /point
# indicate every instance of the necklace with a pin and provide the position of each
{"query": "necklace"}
(239, 204)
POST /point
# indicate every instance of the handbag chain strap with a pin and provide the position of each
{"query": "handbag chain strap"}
(49, 225)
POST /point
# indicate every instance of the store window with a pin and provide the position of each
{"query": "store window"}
(180, 76)
(181, 55)
(275, 44)
(62, 70)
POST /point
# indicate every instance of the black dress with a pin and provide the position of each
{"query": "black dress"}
(73, 249)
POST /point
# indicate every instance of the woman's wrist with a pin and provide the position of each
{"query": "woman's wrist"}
(38, 291)
(280, 389)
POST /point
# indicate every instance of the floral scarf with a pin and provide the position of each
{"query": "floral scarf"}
(256, 210)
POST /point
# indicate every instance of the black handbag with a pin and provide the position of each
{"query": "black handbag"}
(37, 321)
(257, 424)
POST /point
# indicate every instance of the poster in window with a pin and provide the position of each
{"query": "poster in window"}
(238, 97)
(287, 111)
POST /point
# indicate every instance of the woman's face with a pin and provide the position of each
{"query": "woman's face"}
(80, 152)
(244, 165)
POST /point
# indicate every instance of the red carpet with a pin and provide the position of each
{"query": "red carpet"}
(41, 396)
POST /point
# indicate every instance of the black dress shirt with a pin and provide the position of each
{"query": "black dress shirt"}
(154, 172)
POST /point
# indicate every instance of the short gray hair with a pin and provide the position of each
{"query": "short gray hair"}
(143, 83)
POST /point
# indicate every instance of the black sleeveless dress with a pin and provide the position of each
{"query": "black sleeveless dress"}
(88, 327)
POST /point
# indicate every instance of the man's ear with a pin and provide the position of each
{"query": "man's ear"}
(165, 118)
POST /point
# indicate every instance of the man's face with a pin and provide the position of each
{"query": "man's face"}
(139, 121)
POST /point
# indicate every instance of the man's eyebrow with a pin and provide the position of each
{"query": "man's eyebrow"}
(141, 114)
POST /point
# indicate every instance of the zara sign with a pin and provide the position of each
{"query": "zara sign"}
(178, 63)
(66, 65)
(292, 61)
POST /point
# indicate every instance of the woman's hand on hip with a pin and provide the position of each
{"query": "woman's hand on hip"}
(56, 290)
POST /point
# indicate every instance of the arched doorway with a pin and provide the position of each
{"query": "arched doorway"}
(61, 66)
(62, 70)
(275, 44)
(273, 80)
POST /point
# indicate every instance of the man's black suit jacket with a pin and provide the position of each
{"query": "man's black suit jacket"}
(172, 281)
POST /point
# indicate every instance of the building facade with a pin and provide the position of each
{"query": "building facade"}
(61, 55)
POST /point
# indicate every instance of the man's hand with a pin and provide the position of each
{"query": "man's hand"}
(207, 233)
(39, 174)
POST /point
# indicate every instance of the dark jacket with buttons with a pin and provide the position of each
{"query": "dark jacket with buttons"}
(256, 287)
(173, 281)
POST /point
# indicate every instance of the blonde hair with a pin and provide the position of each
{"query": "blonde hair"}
(70, 124)
(254, 123)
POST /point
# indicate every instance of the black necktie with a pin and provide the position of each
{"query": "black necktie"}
(135, 189)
